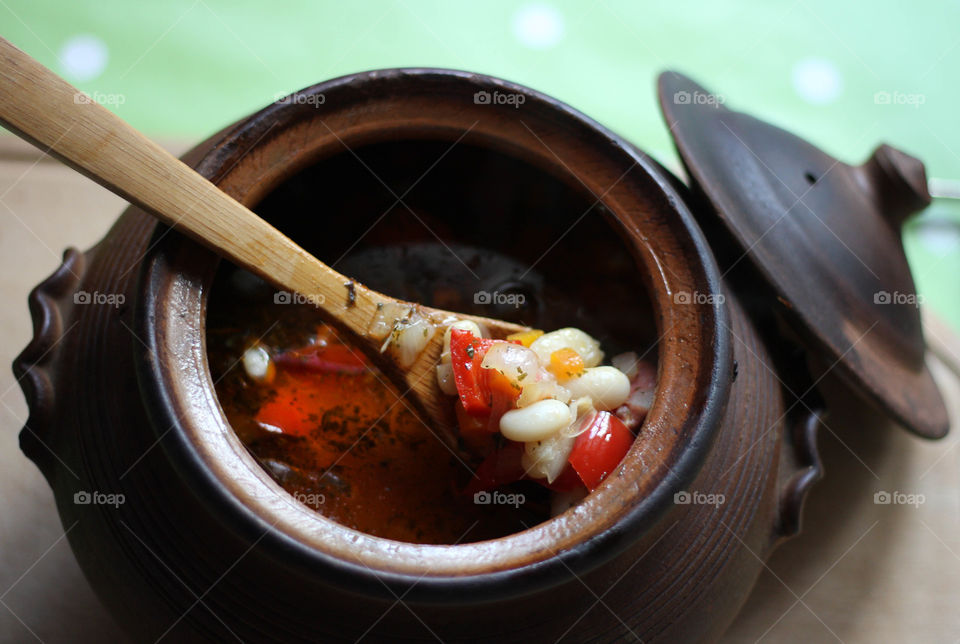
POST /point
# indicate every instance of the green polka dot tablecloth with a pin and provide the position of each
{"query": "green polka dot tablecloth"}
(844, 75)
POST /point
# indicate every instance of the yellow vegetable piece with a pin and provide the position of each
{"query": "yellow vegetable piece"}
(526, 338)
(565, 363)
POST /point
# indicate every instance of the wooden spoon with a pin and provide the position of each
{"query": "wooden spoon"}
(56, 117)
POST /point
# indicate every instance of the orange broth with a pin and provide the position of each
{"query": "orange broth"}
(340, 441)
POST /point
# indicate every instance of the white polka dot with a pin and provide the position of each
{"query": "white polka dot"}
(538, 26)
(939, 236)
(83, 57)
(817, 81)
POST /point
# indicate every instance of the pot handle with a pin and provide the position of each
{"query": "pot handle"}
(50, 304)
(800, 468)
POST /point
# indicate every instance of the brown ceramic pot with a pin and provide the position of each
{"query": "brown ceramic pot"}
(206, 546)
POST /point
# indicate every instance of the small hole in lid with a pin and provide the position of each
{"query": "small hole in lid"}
(810, 177)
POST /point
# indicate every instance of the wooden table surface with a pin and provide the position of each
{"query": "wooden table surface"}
(860, 572)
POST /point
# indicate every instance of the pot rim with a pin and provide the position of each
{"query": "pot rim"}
(177, 386)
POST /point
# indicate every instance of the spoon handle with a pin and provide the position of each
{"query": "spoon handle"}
(58, 118)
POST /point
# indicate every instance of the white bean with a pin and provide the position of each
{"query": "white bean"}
(465, 325)
(608, 387)
(256, 362)
(569, 338)
(535, 422)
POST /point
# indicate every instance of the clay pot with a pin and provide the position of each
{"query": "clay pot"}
(205, 545)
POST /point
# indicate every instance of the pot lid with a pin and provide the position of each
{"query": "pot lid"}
(826, 236)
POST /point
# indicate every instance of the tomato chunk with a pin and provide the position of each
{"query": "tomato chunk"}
(600, 448)
(466, 355)
(485, 393)
(301, 396)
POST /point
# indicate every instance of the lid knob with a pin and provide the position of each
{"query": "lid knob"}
(898, 182)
